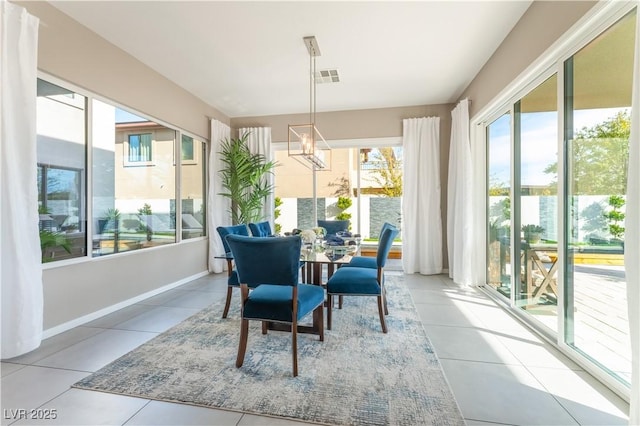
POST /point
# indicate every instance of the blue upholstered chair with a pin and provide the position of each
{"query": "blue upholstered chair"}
(368, 261)
(334, 226)
(232, 280)
(271, 267)
(354, 281)
(261, 229)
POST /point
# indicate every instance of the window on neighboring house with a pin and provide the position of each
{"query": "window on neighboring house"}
(61, 153)
(140, 148)
(186, 150)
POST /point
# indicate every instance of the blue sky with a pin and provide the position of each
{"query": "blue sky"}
(539, 143)
(123, 116)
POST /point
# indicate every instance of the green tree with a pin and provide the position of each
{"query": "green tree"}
(599, 157)
(615, 216)
(594, 218)
(276, 214)
(389, 176)
(144, 214)
(343, 203)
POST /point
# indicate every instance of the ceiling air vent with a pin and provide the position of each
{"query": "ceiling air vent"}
(327, 76)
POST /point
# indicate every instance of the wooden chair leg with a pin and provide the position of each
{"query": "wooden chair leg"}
(265, 327)
(318, 321)
(242, 347)
(294, 346)
(228, 302)
(381, 313)
(386, 308)
(329, 304)
(340, 302)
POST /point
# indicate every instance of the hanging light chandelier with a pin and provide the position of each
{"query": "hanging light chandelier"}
(305, 143)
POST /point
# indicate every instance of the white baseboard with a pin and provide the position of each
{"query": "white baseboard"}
(110, 309)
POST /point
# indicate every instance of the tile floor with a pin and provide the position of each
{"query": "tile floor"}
(499, 371)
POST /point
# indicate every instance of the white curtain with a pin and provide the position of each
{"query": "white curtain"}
(632, 237)
(422, 220)
(217, 205)
(460, 236)
(20, 268)
(259, 142)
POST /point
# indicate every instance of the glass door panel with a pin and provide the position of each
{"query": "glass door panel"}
(536, 136)
(499, 203)
(597, 120)
(364, 186)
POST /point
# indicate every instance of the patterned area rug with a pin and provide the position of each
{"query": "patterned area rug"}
(358, 375)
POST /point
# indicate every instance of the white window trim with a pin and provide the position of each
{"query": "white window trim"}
(594, 22)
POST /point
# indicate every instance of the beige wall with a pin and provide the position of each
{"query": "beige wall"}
(541, 25)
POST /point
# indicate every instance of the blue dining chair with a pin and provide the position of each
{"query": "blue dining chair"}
(261, 229)
(334, 226)
(271, 266)
(232, 279)
(368, 261)
(358, 281)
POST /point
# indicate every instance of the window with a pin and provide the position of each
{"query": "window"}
(61, 153)
(499, 205)
(364, 186)
(536, 197)
(187, 149)
(556, 200)
(140, 148)
(192, 187)
(597, 120)
(133, 207)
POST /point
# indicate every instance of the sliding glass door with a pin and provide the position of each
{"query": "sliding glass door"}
(499, 202)
(598, 87)
(536, 141)
(363, 185)
(557, 181)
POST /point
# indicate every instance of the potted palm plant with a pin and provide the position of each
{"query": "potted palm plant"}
(244, 180)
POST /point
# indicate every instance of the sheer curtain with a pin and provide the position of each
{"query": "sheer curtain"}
(20, 268)
(217, 205)
(422, 221)
(460, 242)
(632, 237)
(259, 142)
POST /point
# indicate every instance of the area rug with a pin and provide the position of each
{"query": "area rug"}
(357, 376)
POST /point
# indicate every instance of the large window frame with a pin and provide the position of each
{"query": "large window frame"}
(356, 209)
(86, 178)
(595, 22)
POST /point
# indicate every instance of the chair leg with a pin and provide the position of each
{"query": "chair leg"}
(228, 302)
(294, 346)
(242, 347)
(381, 313)
(386, 308)
(340, 302)
(318, 321)
(329, 304)
(265, 327)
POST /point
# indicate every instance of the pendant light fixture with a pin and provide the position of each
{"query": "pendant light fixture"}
(305, 143)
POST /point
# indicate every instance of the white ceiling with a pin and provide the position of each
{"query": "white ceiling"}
(248, 58)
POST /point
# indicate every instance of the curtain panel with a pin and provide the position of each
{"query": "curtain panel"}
(422, 220)
(20, 267)
(217, 205)
(259, 142)
(460, 235)
(632, 237)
